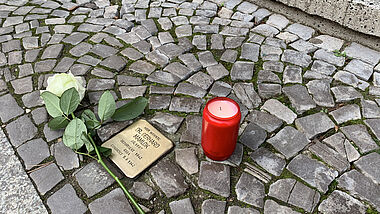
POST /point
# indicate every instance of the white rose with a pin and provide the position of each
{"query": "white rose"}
(59, 83)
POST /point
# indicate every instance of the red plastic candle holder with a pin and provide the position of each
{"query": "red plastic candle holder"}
(220, 127)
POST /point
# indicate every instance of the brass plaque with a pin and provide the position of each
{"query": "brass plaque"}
(137, 147)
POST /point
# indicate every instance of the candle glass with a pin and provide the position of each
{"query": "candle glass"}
(220, 127)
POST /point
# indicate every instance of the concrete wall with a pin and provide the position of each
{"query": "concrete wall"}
(322, 25)
(359, 15)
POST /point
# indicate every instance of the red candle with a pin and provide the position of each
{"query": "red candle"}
(220, 127)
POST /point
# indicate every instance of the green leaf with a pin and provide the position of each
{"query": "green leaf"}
(73, 133)
(130, 110)
(87, 143)
(106, 152)
(107, 106)
(58, 123)
(90, 119)
(69, 101)
(52, 104)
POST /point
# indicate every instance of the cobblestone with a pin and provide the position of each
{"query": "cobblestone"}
(181, 54)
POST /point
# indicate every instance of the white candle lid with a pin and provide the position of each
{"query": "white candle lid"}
(222, 108)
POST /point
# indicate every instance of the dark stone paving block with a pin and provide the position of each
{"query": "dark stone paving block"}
(185, 104)
(201, 80)
(103, 51)
(163, 77)
(46, 178)
(360, 136)
(345, 93)
(282, 188)
(169, 179)
(297, 58)
(187, 159)
(132, 54)
(266, 121)
(40, 115)
(79, 69)
(114, 62)
(368, 165)
(265, 76)
(171, 50)
(360, 186)
(131, 92)
(215, 178)
(240, 210)
(370, 109)
(340, 201)
(323, 67)
(23, 85)
(211, 206)
(142, 67)
(289, 141)
(32, 99)
(206, 58)
(167, 122)
(250, 190)
(220, 89)
(52, 134)
(75, 38)
(320, 90)
(65, 157)
(178, 70)
(346, 113)
(312, 172)
(295, 193)
(356, 50)
(33, 152)
(217, 71)
(330, 156)
(253, 136)
(65, 200)
(80, 49)
(242, 70)
(9, 108)
(374, 125)
(100, 84)
(304, 197)
(268, 160)
(308, 123)
(107, 131)
(267, 90)
(114, 202)
(102, 73)
(142, 190)
(93, 178)
(273, 207)
(247, 94)
(64, 65)
(190, 61)
(157, 58)
(190, 89)
(299, 97)
(89, 60)
(128, 80)
(193, 130)
(329, 57)
(52, 52)
(159, 102)
(21, 130)
(183, 206)
(44, 66)
(250, 51)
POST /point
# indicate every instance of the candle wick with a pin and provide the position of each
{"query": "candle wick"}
(220, 108)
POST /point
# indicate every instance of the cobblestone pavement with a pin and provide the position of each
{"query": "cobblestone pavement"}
(309, 137)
